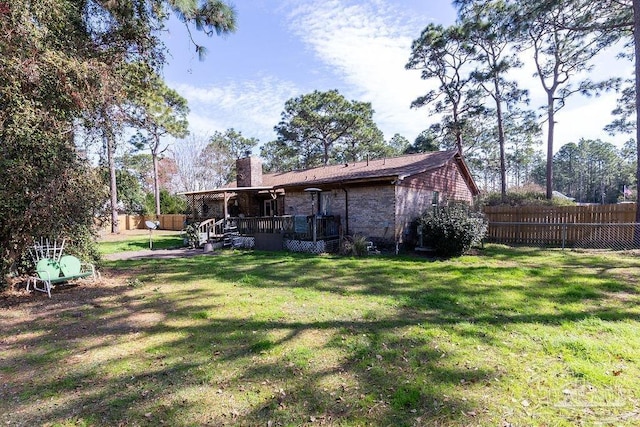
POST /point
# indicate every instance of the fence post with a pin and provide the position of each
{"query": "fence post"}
(564, 234)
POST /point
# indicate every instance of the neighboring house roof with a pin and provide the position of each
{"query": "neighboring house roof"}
(559, 195)
(363, 171)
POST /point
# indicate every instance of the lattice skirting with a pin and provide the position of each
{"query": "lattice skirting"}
(306, 246)
(244, 242)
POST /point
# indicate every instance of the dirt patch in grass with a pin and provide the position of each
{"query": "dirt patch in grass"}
(29, 305)
(18, 295)
(503, 337)
(32, 316)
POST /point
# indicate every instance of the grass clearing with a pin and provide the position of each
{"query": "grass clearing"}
(508, 336)
(140, 241)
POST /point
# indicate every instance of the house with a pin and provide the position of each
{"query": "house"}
(375, 198)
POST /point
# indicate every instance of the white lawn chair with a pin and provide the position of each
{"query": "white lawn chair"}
(45, 248)
(50, 272)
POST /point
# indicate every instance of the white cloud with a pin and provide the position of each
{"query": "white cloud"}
(586, 119)
(361, 47)
(368, 44)
(252, 107)
(582, 116)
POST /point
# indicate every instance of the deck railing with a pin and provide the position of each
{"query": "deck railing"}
(211, 227)
(297, 226)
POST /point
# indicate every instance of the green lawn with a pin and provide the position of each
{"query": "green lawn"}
(505, 337)
(141, 242)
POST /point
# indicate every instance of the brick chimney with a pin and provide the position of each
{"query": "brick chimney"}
(249, 172)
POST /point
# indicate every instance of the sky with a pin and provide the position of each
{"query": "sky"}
(286, 48)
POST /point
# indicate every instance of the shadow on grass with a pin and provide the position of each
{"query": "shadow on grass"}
(443, 290)
(161, 353)
(150, 386)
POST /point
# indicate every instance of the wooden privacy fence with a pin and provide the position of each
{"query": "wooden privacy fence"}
(579, 226)
(172, 222)
(137, 222)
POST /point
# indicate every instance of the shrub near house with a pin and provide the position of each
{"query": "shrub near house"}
(452, 230)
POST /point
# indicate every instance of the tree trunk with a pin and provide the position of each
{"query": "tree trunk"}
(113, 187)
(550, 129)
(636, 41)
(156, 181)
(457, 129)
(501, 141)
(325, 157)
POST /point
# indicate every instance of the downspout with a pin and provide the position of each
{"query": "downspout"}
(399, 239)
(346, 211)
(395, 214)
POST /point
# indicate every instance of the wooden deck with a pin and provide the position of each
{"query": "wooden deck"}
(292, 226)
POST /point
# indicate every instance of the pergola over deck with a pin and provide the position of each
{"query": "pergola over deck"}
(200, 201)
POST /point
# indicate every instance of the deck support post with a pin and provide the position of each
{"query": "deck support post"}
(314, 226)
(225, 208)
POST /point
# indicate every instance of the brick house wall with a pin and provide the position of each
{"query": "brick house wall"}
(415, 195)
(411, 202)
(447, 180)
(297, 203)
(372, 212)
(384, 212)
(371, 208)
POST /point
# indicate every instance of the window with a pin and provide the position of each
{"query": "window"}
(270, 207)
(325, 203)
(435, 199)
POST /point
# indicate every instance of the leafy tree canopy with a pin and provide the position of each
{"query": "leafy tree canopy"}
(426, 141)
(445, 56)
(156, 111)
(320, 128)
(60, 61)
(222, 151)
(399, 144)
(591, 171)
(169, 203)
(130, 193)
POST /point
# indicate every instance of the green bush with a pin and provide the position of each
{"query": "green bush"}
(131, 198)
(169, 203)
(452, 230)
(529, 195)
(47, 191)
(192, 235)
